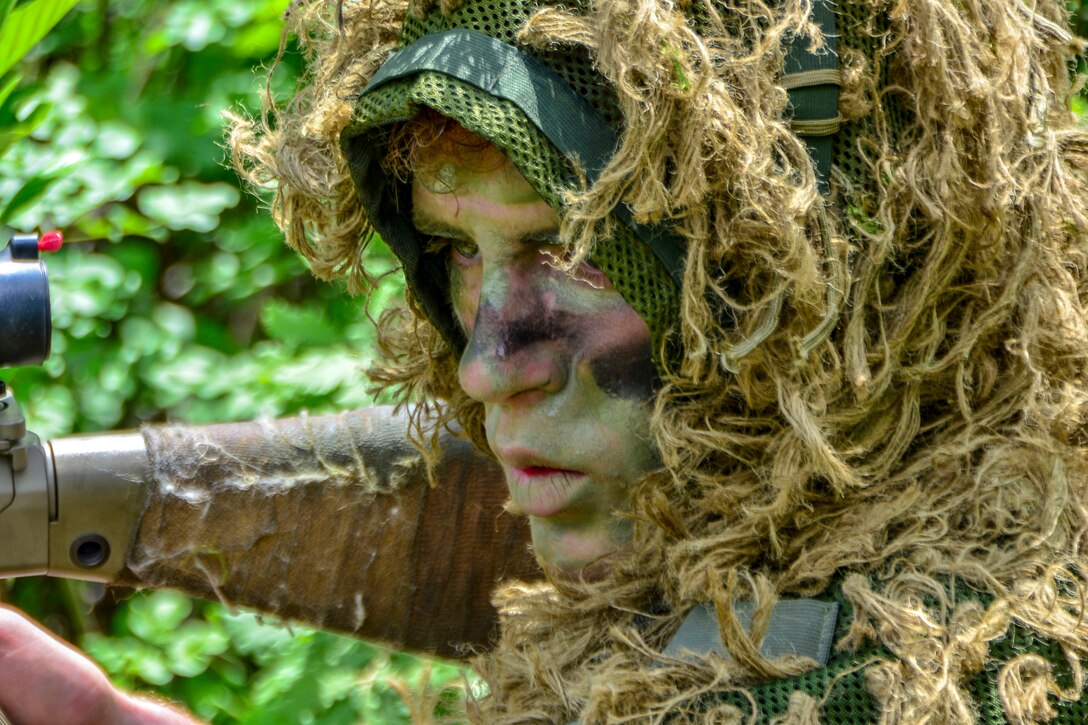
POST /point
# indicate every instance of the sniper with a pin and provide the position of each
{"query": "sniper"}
(767, 321)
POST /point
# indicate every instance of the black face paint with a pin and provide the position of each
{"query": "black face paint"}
(624, 371)
(538, 325)
(627, 371)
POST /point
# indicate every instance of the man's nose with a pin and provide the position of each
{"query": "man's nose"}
(519, 343)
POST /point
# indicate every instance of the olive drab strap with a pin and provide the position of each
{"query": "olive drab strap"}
(812, 81)
(799, 627)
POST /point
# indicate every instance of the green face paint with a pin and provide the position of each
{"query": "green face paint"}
(562, 364)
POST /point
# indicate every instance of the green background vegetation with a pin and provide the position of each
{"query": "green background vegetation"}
(176, 300)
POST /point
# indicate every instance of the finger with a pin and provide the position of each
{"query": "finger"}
(43, 679)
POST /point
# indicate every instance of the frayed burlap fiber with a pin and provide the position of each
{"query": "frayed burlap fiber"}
(878, 395)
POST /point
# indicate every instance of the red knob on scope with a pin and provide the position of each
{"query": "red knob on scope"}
(50, 241)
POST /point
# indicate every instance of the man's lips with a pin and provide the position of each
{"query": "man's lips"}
(539, 487)
(532, 471)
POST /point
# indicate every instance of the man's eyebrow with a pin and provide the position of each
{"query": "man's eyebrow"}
(435, 228)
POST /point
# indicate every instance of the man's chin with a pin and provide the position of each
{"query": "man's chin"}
(577, 551)
(586, 563)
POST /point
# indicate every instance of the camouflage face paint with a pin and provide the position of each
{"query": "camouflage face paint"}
(622, 372)
(538, 325)
(561, 364)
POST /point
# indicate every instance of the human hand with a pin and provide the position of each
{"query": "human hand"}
(46, 681)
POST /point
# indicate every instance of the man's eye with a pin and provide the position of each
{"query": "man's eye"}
(459, 250)
(467, 251)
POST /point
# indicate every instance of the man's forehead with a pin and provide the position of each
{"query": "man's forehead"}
(485, 176)
(439, 214)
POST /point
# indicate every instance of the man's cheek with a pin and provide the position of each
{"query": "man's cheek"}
(621, 356)
(626, 370)
(465, 297)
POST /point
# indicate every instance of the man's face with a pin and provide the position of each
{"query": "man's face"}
(562, 365)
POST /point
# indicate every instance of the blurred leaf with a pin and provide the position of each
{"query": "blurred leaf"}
(192, 647)
(295, 325)
(26, 25)
(189, 205)
(150, 665)
(28, 194)
(13, 82)
(10, 133)
(115, 140)
(155, 618)
(5, 11)
(256, 638)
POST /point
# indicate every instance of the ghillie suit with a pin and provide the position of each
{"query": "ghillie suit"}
(873, 383)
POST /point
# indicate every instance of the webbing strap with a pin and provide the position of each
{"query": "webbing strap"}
(812, 81)
(503, 71)
(801, 627)
(816, 127)
(805, 78)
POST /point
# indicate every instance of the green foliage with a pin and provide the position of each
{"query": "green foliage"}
(1078, 17)
(232, 667)
(174, 298)
(22, 27)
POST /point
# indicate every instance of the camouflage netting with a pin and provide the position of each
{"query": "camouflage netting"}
(931, 442)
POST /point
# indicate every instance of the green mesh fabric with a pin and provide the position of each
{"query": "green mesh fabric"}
(846, 700)
(849, 143)
(497, 120)
(628, 263)
(845, 697)
(501, 19)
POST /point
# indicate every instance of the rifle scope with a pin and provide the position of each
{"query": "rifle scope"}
(25, 324)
